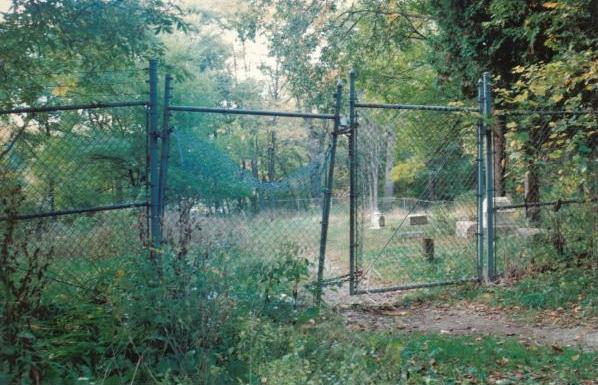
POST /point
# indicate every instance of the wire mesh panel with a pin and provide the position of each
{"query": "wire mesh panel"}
(247, 186)
(545, 197)
(74, 190)
(417, 198)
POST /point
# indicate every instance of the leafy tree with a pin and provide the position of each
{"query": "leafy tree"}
(501, 36)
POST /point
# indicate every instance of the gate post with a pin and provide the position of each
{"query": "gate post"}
(352, 171)
(480, 182)
(489, 176)
(328, 192)
(164, 156)
(156, 231)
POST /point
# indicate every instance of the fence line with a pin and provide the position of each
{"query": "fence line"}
(460, 165)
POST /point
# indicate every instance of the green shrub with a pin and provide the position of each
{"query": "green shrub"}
(184, 321)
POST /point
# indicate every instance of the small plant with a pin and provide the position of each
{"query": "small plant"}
(23, 280)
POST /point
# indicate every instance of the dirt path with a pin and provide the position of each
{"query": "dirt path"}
(471, 319)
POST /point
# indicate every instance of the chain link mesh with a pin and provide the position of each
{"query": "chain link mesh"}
(417, 197)
(255, 188)
(76, 191)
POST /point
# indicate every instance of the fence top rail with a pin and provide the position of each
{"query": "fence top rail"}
(416, 107)
(231, 111)
(71, 107)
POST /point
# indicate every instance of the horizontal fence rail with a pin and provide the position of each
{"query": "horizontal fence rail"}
(416, 107)
(416, 286)
(232, 111)
(88, 106)
(543, 112)
(548, 203)
(75, 211)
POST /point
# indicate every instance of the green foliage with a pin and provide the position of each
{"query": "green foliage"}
(52, 39)
(204, 171)
(326, 354)
(567, 288)
(186, 321)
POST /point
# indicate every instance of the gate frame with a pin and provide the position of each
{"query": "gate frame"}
(484, 136)
(169, 109)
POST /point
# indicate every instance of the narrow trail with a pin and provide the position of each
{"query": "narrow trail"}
(473, 319)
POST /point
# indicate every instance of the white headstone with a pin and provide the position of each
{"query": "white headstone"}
(375, 220)
(466, 229)
(503, 218)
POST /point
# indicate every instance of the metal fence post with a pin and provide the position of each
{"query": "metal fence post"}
(480, 187)
(328, 192)
(352, 195)
(489, 176)
(156, 231)
(165, 152)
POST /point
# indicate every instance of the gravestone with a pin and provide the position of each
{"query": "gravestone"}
(375, 220)
(505, 219)
(428, 248)
(530, 232)
(466, 229)
(418, 219)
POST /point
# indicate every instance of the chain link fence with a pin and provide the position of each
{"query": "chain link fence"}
(245, 199)
(417, 202)
(399, 189)
(545, 196)
(75, 183)
(252, 183)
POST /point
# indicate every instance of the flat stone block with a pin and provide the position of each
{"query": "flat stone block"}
(504, 229)
(466, 229)
(505, 217)
(529, 232)
(411, 234)
(418, 219)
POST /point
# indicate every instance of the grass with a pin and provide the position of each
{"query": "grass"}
(327, 354)
(394, 254)
(573, 289)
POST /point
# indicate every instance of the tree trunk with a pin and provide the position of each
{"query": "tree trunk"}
(532, 176)
(371, 156)
(388, 182)
(432, 186)
(255, 172)
(272, 156)
(241, 201)
(499, 156)
(373, 186)
(532, 192)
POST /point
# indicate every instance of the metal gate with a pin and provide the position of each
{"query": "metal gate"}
(264, 215)
(428, 232)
